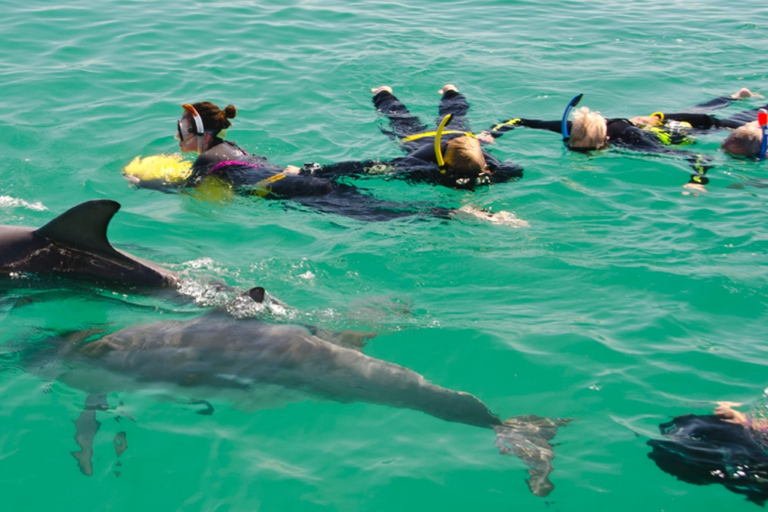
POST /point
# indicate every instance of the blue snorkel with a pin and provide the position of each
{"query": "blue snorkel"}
(762, 120)
(564, 124)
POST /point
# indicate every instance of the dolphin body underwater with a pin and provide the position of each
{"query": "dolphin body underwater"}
(75, 244)
(216, 353)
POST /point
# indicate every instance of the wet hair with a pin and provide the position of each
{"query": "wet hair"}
(744, 141)
(588, 130)
(215, 119)
(463, 155)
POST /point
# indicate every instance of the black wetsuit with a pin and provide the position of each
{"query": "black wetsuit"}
(254, 175)
(623, 134)
(420, 163)
(705, 450)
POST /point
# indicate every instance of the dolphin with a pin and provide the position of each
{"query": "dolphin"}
(75, 244)
(215, 352)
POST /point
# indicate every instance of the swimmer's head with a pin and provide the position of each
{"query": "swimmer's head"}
(744, 141)
(588, 131)
(214, 122)
(463, 155)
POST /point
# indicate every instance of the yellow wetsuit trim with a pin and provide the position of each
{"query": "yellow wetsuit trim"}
(433, 134)
(510, 122)
(263, 188)
(660, 115)
(663, 136)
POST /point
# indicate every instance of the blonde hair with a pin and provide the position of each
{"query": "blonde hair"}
(744, 141)
(463, 155)
(588, 130)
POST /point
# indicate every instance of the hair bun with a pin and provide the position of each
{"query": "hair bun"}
(230, 111)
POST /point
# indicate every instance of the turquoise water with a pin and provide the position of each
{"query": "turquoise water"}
(623, 303)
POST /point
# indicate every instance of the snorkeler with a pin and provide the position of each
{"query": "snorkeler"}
(728, 448)
(450, 155)
(749, 140)
(657, 133)
(201, 129)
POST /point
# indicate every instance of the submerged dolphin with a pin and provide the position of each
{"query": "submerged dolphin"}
(217, 352)
(75, 244)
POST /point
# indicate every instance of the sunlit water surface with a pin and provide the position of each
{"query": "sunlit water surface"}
(623, 303)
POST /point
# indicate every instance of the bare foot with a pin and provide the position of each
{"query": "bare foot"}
(448, 87)
(377, 90)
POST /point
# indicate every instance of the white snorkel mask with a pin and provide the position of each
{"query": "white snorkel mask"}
(199, 128)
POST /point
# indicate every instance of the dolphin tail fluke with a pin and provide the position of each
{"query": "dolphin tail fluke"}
(86, 427)
(529, 438)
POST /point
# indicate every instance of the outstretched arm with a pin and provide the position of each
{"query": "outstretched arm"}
(349, 169)
(499, 129)
(698, 116)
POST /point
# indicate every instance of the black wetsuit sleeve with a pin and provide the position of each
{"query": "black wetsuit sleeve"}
(743, 117)
(697, 117)
(403, 123)
(701, 121)
(712, 105)
(350, 169)
(501, 128)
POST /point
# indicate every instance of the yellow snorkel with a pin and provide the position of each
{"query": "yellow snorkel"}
(438, 136)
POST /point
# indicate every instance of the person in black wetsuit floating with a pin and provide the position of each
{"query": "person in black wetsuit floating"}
(749, 140)
(456, 161)
(657, 133)
(201, 129)
(728, 448)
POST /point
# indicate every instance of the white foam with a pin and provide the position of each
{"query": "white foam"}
(12, 202)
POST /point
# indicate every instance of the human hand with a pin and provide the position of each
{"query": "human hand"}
(725, 411)
(696, 188)
(485, 136)
(291, 169)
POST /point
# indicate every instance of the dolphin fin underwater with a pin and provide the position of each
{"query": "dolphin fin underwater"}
(75, 244)
(216, 352)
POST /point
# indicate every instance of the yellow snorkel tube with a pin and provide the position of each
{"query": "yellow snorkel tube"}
(438, 137)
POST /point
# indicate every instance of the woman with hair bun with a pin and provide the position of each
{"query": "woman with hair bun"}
(223, 168)
(201, 129)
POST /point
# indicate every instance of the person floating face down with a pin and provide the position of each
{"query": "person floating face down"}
(749, 140)
(450, 155)
(728, 448)
(222, 164)
(657, 133)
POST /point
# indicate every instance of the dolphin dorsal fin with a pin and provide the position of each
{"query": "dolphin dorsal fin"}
(84, 226)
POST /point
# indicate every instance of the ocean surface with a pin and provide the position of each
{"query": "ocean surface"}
(612, 295)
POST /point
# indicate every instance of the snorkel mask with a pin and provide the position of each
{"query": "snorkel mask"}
(199, 128)
(564, 122)
(762, 120)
